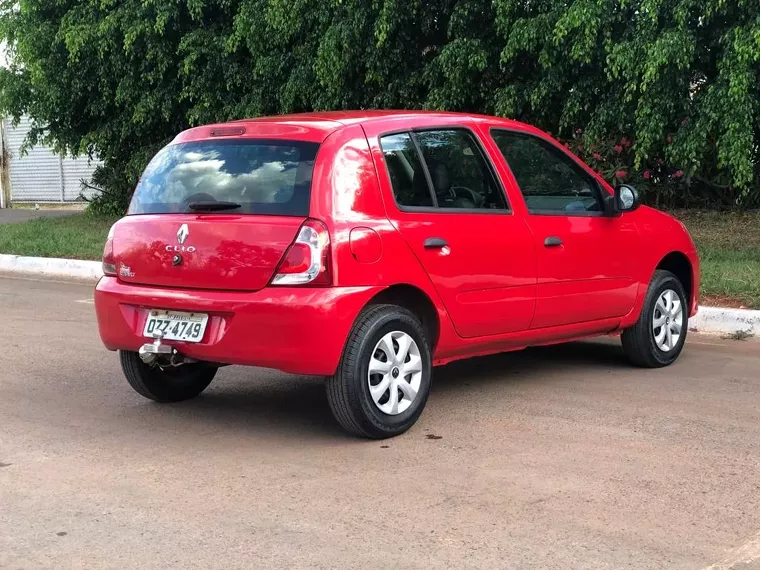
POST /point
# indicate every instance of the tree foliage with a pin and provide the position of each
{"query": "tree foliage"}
(677, 81)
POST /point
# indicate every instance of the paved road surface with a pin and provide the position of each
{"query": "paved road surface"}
(551, 458)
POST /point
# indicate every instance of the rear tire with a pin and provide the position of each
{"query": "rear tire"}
(651, 346)
(166, 385)
(383, 379)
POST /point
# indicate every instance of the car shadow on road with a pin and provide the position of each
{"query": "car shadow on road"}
(530, 365)
(262, 402)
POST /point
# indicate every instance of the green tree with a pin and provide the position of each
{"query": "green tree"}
(678, 78)
(663, 92)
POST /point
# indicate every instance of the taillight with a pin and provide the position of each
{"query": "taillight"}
(109, 260)
(307, 261)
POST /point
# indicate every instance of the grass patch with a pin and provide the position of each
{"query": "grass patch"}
(78, 236)
(729, 250)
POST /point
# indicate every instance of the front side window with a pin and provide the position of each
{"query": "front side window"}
(550, 181)
(239, 177)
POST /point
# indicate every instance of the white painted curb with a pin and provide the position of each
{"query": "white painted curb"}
(51, 267)
(720, 320)
(708, 319)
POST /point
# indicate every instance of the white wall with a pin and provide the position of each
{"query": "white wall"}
(40, 175)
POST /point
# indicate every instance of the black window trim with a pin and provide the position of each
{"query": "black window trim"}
(425, 170)
(561, 151)
(508, 211)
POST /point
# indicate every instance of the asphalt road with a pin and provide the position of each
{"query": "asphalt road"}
(560, 457)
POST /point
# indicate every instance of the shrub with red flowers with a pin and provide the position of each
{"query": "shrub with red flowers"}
(660, 183)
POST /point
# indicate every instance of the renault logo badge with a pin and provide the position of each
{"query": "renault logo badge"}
(183, 234)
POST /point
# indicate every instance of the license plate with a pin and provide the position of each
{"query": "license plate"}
(187, 327)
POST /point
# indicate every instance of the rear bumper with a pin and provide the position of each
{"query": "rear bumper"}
(296, 330)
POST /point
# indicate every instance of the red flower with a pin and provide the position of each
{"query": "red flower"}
(578, 131)
(618, 149)
(621, 174)
(625, 142)
(598, 156)
(677, 174)
(659, 161)
(669, 140)
(647, 175)
(580, 148)
(567, 146)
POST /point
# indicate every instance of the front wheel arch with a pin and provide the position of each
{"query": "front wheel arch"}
(677, 263)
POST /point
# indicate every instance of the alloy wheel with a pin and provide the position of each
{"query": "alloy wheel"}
(668, 320)
(395, 373)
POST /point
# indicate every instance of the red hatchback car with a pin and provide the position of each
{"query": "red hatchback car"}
(368, 247)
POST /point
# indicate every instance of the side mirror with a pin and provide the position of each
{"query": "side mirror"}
(626, 198)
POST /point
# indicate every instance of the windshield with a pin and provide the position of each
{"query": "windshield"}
(236, 177)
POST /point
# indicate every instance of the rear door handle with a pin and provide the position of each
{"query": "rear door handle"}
(435, 243)
(552, 241)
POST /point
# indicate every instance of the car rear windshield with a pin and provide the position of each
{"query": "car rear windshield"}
(235, 177)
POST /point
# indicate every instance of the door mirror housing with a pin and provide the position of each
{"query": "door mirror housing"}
(626, 198)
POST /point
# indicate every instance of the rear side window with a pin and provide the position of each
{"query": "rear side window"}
(451, 173)
(260, 177)
(550, 181)
(408, 179)
(460, 175)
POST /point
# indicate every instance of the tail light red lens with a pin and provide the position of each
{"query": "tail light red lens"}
(109, 260)
(307, 261)
(298, 260)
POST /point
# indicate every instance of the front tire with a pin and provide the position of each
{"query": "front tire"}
(383, 379)
(166, 385)
(658, 337)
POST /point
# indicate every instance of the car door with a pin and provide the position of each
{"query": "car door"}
(442, 195)
(584, 267)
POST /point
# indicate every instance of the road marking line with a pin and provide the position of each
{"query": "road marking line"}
(86, 301)
(745, 554)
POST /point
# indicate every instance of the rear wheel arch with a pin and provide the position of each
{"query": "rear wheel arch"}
(416, 301)
(679, 265)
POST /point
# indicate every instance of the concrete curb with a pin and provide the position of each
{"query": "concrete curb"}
(51, 267)
(720, 320)
(708, 320)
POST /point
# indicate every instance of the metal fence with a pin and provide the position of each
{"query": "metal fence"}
(40, 175)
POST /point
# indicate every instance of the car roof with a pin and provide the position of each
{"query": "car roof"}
(317, 126)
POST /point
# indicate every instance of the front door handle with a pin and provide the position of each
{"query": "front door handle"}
(552, 241)
(435, 243)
